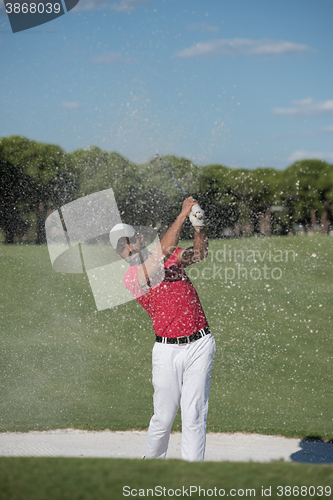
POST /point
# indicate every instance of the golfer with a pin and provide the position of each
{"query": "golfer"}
(184, 348)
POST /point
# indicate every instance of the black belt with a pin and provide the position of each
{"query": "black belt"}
(184, 340)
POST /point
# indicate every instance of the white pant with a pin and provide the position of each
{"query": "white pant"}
(181, 374)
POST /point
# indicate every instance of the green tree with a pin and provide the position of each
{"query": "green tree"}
(53, 177)
(217, 199)
(262, 193)
(163, 198)
(306, 185)
(16, 189)
(99, 170)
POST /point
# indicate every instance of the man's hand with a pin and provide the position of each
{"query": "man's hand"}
(197, 216)
(187, 205)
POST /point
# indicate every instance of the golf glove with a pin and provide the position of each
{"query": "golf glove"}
(197, 216)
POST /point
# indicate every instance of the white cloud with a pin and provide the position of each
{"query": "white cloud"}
(301, 155)
(327, 129)
(306, 107)
(112, 57)
(241, 46)
(70, 105)
(203, 27)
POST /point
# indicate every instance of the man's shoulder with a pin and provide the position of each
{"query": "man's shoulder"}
(131, 276)
(173, 259)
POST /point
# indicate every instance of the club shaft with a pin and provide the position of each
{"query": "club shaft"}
(182, 190)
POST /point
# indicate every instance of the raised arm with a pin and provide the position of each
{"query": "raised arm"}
(198, 252)
(166, 246)
(170, 240)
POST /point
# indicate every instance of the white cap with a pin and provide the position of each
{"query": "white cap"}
(119, 231)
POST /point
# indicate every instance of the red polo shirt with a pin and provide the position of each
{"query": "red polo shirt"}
(173, 304)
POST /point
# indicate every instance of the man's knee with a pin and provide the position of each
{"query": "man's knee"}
(162, 422)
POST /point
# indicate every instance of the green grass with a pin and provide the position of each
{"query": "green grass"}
(63, 364)
(74, 479)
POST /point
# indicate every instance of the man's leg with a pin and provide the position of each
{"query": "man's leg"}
(194, 400)
(167, 382)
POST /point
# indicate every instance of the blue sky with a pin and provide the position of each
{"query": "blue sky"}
(244, 83)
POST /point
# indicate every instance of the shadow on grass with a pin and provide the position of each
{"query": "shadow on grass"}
(314, 450)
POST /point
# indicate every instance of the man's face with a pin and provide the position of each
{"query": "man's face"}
(129, 249)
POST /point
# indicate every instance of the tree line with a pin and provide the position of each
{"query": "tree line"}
(37, 178)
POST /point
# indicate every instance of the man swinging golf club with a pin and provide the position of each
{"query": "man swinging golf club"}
(184, 348)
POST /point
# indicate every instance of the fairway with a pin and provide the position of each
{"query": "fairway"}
(71, 479)
(269, 305)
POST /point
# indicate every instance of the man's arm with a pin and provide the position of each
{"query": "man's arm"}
(166, 246)
(170, 240)
(198, 252)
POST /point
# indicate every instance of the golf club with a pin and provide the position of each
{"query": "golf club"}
(158, 156)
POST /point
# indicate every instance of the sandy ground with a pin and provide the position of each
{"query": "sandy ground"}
(131, 444)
